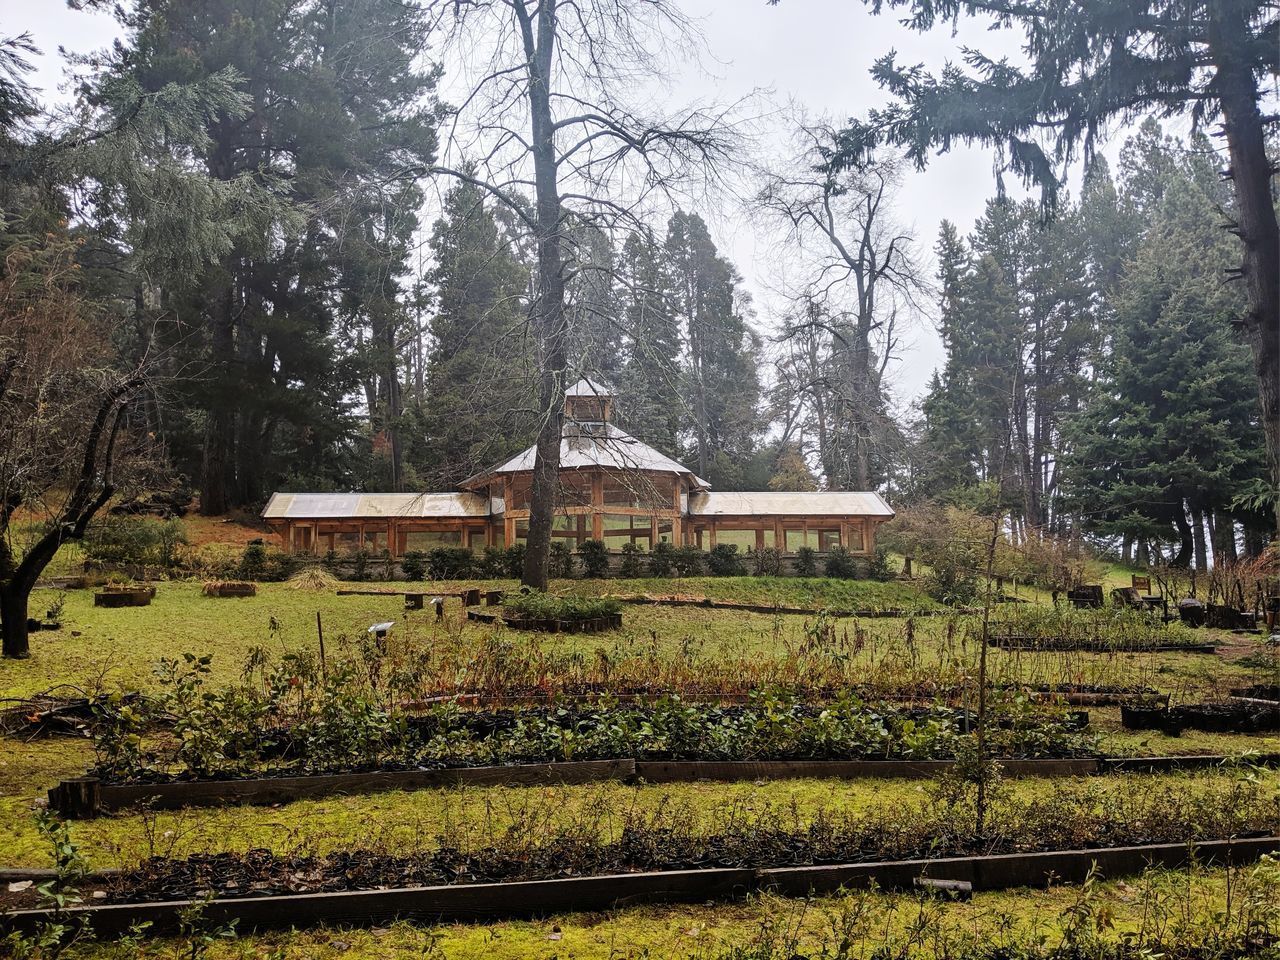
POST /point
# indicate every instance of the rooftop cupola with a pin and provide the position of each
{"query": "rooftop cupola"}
(588, 402)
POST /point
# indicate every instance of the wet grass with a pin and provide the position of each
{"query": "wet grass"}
(118, 648)
(906, 925)
(400, 822)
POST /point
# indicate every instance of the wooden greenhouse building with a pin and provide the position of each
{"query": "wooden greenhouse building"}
(613, 488)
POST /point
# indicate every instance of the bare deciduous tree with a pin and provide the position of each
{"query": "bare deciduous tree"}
(67, 448)
(859, 275)
(546, 111)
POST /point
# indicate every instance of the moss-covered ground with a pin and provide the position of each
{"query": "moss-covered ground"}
(118, 648)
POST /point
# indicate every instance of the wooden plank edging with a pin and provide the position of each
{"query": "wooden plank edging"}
(271, 790)
(535, 898)
(677, 771)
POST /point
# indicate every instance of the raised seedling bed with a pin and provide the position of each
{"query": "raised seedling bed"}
(463, 901)
(132, 595)
(609, 621)
(774, 608)
(87, 796)
(1233, 716)
(230, 588)
(1084, 645)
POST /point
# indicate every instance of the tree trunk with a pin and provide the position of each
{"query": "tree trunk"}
(1197, 531)
(1186, 545)
(547, 313)
(219, 441)
(14, 598)
(1126, 550)
(1142, 555)
(1251, 172)
(1222, 530)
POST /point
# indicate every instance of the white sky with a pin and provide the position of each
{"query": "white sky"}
(816, 53)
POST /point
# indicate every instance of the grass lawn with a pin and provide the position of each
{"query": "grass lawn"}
(119, 647)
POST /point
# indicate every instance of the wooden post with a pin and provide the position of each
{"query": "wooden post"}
(320, 633)
(597, 505)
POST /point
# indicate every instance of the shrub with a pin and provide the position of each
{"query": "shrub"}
(878, 567)
(360, 565)
(265, 564)
(492, 563)
(806, 562)
(595, 559)
(414, 565)
(723, 561)
(632, 559)
(662, 559)
(766, 562)
(688, 561)
(953, 577)
(513, 561)
(253, 562)
(450, 563)
(840, 564)
(561, 560)
(144, 541)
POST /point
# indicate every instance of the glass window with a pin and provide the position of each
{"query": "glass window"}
(637, 490)
(521, 488)
(425, 540)
(827, 539)
(856, 542)
(795, 539)
(575, 489)
(742, 539)
(626, 529)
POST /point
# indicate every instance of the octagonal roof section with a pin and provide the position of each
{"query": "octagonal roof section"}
(586, 387)
(595, 445)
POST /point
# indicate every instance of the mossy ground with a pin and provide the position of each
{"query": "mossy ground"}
(119, 647)
(915, 926)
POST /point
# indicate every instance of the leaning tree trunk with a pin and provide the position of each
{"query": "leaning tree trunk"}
(1251, 173)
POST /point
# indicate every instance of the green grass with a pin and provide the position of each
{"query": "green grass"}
(699, 932)
(119, 647)
(471, 817)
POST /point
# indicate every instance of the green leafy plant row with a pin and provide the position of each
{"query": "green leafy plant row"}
(302, 720)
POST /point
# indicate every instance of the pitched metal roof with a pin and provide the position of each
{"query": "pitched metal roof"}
(588, 388)
(775, 503)
(595, 445)
(320, 506)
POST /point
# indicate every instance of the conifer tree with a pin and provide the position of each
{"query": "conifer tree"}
(480, 385)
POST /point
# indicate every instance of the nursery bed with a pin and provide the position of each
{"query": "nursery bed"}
(531, 898)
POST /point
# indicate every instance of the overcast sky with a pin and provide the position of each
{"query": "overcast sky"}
(813, 52)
